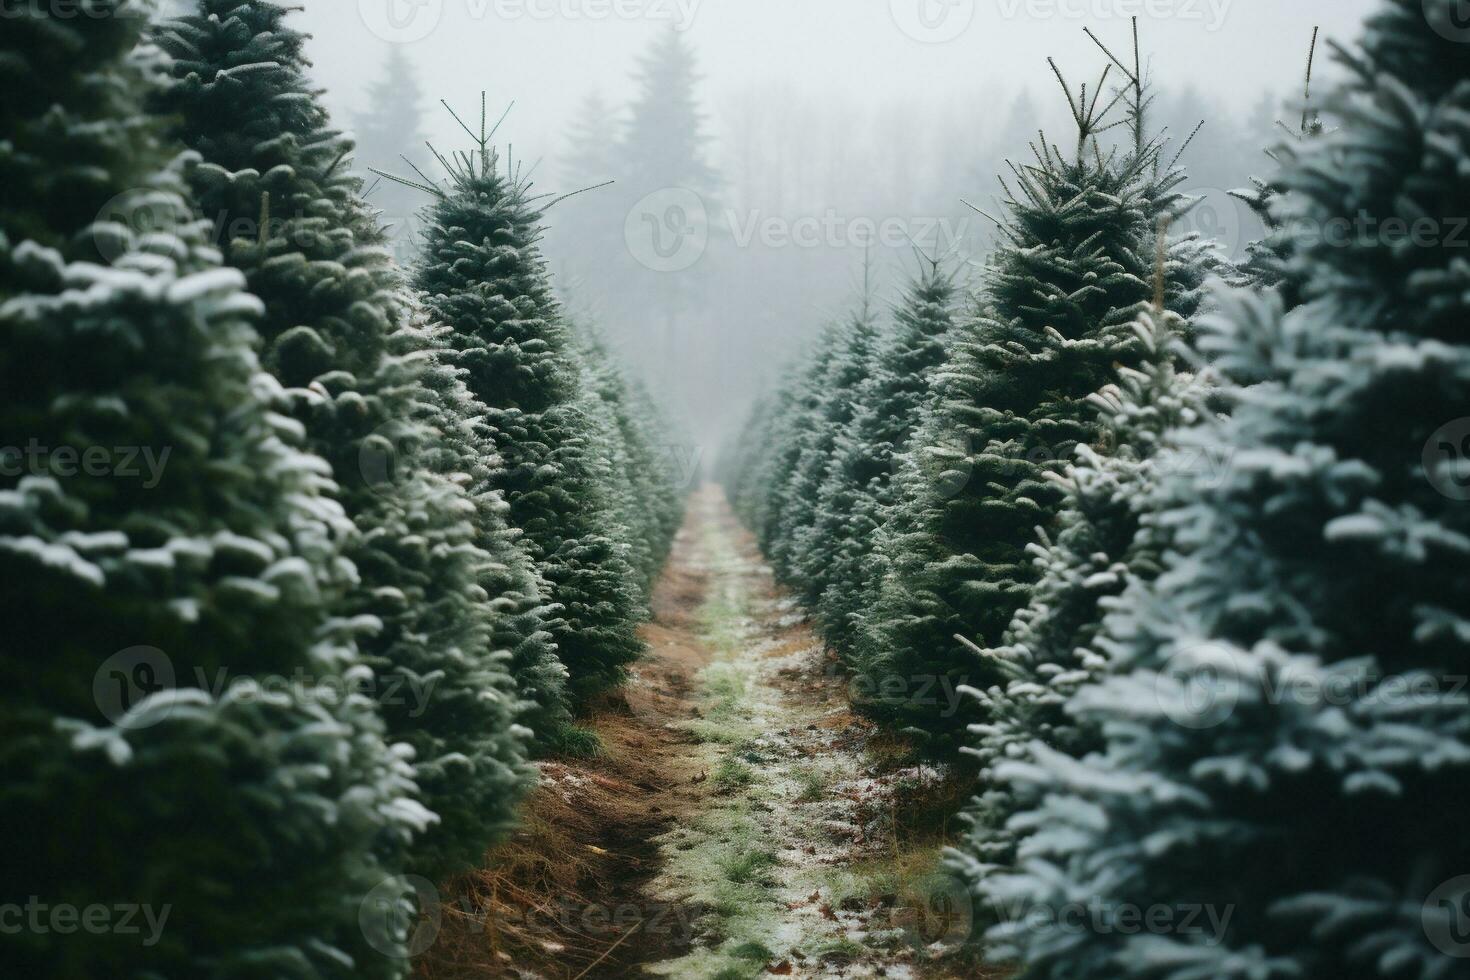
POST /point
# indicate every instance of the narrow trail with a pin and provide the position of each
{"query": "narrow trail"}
(789, 857)
(740, 820)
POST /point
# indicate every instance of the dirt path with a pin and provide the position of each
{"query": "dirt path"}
(739, 822)
(797, 857)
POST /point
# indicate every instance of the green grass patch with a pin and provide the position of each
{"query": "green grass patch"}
(574, 742)
(731, 773)
(811, 783)
(749, 867)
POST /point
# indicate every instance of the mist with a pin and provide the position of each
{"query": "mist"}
(840, 142)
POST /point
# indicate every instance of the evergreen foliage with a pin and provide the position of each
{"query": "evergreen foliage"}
(1283, 730)
(847, 364)
(229, 773)
(483, 277)
(1010, 407)
(854, 501)
(1101, 543)
(333, 302)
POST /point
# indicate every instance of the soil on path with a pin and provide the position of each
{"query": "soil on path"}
(740, 820)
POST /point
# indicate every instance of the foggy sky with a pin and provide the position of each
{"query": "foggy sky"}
(865, 107)
(548, 54)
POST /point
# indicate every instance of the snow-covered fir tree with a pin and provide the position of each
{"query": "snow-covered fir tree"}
(1285, 738)
(1101, 542)
(799, 554)
(855, 500)
(1011, 406)
(790, 422)
(483, 277)
(179, 698)
(1268, 261)
(644, 481)
(332, 302)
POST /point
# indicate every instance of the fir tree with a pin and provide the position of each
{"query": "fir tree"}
(645, 484)
(483, 277)
(389, 127)
(1284, 734)
(795, 436)
(1010, 408)
(333, 301)
(855, 500)
(663, 145)
(1268, 261)
(1101, 543)
(178, 698)
(847, 370)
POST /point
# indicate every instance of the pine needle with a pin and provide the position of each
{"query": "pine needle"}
(1186, 144)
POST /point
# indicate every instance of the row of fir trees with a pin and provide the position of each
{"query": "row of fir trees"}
(1193, 554)
(402, 525)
